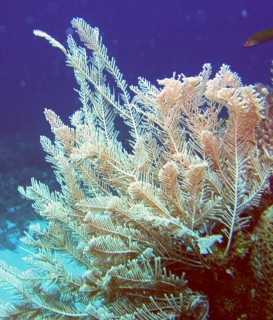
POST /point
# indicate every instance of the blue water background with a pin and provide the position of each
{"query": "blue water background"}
(150, 38)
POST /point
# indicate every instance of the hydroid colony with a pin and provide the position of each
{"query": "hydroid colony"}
(130, 226)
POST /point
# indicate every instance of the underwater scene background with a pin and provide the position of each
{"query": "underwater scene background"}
(152, 38)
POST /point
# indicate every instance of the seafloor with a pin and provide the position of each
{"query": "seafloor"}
(21, 158)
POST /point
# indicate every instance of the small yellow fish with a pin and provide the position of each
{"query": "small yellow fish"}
(259, 37)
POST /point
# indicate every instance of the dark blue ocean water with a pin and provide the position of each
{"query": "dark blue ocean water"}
(150, 38)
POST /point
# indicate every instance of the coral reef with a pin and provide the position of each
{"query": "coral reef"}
(261, 265)
(156, 227)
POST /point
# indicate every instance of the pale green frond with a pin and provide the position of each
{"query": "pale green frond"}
(141, 158)
(94, 204)
(94, 184)
(172, 307)
(99, 312)
(53, 152)
(37, 300)
(148, 194)
(140, 277)
(39, 193)
(146, 95)
(90, 37)
(18, 311)
(52, 41)
(11, 278)
(112, 249)
(97, 223)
